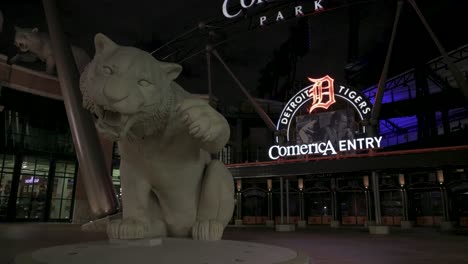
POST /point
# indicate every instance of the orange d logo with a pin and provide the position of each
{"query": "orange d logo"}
(322, 93)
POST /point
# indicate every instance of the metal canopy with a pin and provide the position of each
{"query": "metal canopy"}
(397, 160)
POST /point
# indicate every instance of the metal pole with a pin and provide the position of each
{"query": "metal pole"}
(269, 207)
(96, 178)
(375, 188)
(458, 76)
(239, 205)
(383, 77)
(406, 204)
(287, 200)
(366, 194)
(254, 103)
(402, 191)
(300, 205)
(281, 200)
(210, 88)
(444, 203)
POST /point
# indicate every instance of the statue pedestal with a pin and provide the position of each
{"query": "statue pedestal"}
(335, 224)
(446, 225)
(270, 223)
(301, 224)
(163, 251)
(379, 230)
(239, 222)
(285, 227)
(407, 224)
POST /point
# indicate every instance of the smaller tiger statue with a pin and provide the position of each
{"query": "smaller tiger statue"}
(36, 45)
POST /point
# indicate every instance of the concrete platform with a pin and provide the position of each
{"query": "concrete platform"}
(335, 224)
(270, 223)
(446, 225)
(379, 230)
(407, 224)
(285, 227)
(165, 251)
(301, 224)
(238, 222)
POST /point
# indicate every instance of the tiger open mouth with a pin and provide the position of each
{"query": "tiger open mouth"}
(23, 47)
(114, 123)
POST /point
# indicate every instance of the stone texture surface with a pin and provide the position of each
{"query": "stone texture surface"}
(379, 230)
(170, 185)
(301, 224)
(167, 251)
(446, 225)
(324, 245)
(335, 224)
(407, 224)
(285, 227)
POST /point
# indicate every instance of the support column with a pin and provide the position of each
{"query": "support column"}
(270, 222)
(95, 174)
(445, 225)
(281, 201)
(284, 227)
(300, 185)
(369, 220)
(238, 220)
(405, 222)
(287, 201)
(335, 222)
(81, 210)
(378, 228)
(238, 142)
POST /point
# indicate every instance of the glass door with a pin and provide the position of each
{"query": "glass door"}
(62, 190)
(32, 189)
(7, 163)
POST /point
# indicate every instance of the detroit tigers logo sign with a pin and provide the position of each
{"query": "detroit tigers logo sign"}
(322, 93)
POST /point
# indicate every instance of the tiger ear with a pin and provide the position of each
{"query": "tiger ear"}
(172, 70)
(103, 44)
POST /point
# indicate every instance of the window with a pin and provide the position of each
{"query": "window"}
(62, 190)
(7, 163)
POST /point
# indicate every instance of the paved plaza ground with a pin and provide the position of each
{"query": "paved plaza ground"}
(323, 244)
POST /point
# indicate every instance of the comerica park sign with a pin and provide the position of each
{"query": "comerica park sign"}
(325, 132)
(297, 10)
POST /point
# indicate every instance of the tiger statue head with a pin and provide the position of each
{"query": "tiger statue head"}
(25, 38)
(128, 90)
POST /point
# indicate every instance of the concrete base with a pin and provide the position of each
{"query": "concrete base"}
(270, 223)
(407, 224)
(238, 222)
(285, 227)
(301, 224)
(100, 225)
(446, 225)
(168, 251)
(335, 224)
(369, 223)
(379, 230)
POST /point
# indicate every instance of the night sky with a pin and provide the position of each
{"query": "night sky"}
(248, 49)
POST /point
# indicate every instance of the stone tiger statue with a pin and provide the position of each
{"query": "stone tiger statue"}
(36, 45)
(170, 184)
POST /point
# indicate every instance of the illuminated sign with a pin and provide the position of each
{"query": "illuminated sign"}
(31, 180)
(322, 97)
(314, 132)
(297, 11)
(276, 151)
